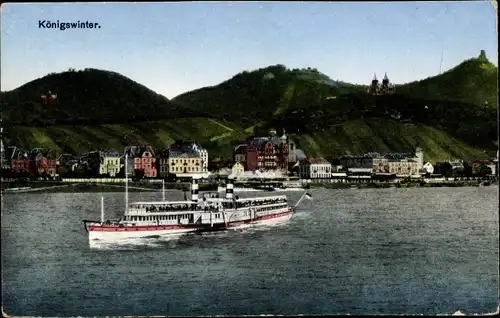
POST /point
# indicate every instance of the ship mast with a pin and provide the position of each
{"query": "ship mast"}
(102, 209)
(126, 183)
(163, 189)
(2, 149)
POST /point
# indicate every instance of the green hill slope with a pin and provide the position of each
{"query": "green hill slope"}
(474, 81)
(80, 138)
(445, 114)
(357, 137)
(87, 96)
(350, 137)
(250, 97)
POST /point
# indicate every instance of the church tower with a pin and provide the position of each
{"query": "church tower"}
(374, 87)
(387, 87)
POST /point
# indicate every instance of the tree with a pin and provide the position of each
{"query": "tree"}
(483, 171)
(444, 168)
(63, 171)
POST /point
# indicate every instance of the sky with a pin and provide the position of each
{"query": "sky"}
(176, 47)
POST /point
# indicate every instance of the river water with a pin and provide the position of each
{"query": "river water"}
(369, 251)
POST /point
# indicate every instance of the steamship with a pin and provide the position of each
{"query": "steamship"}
(211, 212)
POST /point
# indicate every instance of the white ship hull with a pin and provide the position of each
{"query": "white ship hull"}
(114, 233)
(117, 236)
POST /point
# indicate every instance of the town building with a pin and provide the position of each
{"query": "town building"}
(43, 162)
(404, 167)
(162, 163)
(240, 151)
(356, 162)
(390, 163)
(296, 155)
(141, 159)
(110, 163)
(185, 164)
(428, 168)
(238, 169)
(380, 164)
(191, 145)
(19, 160)
(315, 168)
(263, 153)
(457, 165)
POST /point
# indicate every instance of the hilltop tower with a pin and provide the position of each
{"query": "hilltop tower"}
(482, 57)
(387, 87)
(375, 86)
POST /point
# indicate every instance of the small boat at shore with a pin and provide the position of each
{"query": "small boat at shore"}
(210, 213)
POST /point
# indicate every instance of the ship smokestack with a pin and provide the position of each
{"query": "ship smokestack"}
(194, 190)
(229, 188)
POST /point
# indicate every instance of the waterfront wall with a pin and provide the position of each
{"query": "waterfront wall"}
(106, 180)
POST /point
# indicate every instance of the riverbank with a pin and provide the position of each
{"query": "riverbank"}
(376, 185)
(61, 187)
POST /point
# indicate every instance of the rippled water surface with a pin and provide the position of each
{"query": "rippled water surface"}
(370, 251)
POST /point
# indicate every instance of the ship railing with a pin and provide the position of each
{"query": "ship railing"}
(144, 212)
(245, 204)
(274, 197)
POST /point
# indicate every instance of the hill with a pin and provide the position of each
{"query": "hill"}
(85, 97)
(101, 109)
(349, 137)
(360, 136)
(76, 139)
(474, 81)
(250, 97)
